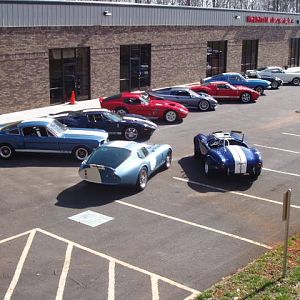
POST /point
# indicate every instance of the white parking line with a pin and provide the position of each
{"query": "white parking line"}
(232, 192)
(280, 172)
(279, 149)
(154, 287)
(64, 273)
(111, 280)
(18, 271)
(195, 224)
(293, 134)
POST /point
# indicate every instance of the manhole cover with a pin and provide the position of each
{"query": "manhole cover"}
(90, 218)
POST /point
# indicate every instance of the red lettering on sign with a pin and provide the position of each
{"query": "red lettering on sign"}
(259, 19)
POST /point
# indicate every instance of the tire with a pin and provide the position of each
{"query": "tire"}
(142, 179)
(6, 151)
(246, 98)
(259, 89)
(274, 85)
(171, 116)
(168, 160)
(121, 111)
(131, 133)
(204, 105)
(197, 153)
(296, 81)
(81, 153)
(207, 170)
(254, 176)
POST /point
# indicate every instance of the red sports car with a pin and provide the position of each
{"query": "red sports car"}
(145, 105)
(222, 90)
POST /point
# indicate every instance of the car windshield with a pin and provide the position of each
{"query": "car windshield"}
(145, 99)
(109, 156)
(193, 94)
(57, 128)
(112, 116)
(7, 127)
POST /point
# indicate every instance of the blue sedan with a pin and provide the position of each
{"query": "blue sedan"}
(256, 84)
(46, 135)
(125, 163)
(129, 127)
(227, 153)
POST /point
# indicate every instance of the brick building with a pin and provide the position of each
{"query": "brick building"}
(49, 48)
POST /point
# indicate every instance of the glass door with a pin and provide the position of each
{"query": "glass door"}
(69, 80)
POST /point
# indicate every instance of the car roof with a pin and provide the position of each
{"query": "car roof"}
(125, 144)
(37, 122)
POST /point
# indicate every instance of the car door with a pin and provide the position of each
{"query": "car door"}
(182, 97)
(224, 91)
(39, 139)
(135, 106)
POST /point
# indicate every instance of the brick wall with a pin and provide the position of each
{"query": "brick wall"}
(178, 56)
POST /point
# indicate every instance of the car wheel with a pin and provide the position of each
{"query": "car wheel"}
(207, 170)
(203, 105)
(142, 179)
(296, 81)
(168, 160)
(274, 85)
(246, 97)
(197, 153)
(260, 89)
(81, 153)
(171, 116)
(131, 133)
(121, 111)
(254, 176)
(6, 151)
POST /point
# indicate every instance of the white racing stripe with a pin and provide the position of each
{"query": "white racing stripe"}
(240, 159)
(137, 119)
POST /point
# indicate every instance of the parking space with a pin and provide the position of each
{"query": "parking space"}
(179, 236)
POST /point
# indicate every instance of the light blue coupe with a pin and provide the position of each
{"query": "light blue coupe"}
(125, 163)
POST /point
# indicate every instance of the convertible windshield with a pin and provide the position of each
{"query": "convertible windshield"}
(57, 127)
(109, 156)
(193, 94)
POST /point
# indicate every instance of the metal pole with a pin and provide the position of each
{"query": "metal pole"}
(286, 218)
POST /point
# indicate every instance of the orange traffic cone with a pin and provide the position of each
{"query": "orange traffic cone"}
(73, 98)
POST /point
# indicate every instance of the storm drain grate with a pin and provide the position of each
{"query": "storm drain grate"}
(90, 218)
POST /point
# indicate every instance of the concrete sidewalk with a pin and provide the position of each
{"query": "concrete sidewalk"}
(44, 111)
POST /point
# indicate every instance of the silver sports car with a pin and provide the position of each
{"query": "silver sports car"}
(187, 97)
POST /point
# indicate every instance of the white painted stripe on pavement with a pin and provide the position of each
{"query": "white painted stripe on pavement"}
(64, 273)
(18, 271)
(281, 172)
(233, 192)
(192, 297)
(15, 236)
(195, 224)
(111, 280)
(293, 134)
(120, 262)
(274, 148)
(154, 288)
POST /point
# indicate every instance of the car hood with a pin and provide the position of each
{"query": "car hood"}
(135, 119)
(258, 81)
(244, 88)
(230, 154)
(88, 134)
(166, 103)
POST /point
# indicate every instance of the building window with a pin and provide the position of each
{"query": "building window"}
(249, 55)
(135, 67)
(69, 70)
(294, 52)
(216, 57)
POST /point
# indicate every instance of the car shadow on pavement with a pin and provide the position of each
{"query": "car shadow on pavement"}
(193, 171)
(40, 160)
(85, 195)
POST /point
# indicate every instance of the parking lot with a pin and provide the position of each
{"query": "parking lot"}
(179, 236)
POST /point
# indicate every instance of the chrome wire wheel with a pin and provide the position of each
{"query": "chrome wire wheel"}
(204, 105)
(246, 98)
(142, 179)
(6, 151)
(274, 85)
(171, 116)
(131, 134)
(260, 90)
(296, 81)
(81, 153)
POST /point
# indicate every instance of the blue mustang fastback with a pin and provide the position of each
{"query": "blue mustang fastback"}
(46, 135)
(227, 153)
(237, 79)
